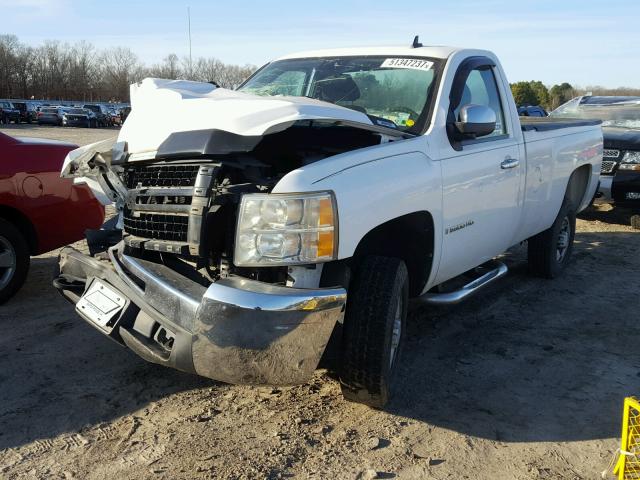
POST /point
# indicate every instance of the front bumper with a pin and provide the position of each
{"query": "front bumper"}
(235, 330)
(75, 123)
(625, 182)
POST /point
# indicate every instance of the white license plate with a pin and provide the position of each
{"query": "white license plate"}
(101, 303)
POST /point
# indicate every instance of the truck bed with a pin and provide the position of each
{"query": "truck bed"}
(544, 124)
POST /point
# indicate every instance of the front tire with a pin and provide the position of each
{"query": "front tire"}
(374, 329)
(549, 252)
(14, 260)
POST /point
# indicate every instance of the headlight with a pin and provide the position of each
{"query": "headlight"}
(630, 161)
(286, 229)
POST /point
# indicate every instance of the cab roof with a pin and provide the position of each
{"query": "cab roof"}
(402, 51)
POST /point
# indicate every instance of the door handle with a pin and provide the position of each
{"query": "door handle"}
(509, 163)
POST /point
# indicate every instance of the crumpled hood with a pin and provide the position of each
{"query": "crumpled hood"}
(162, 107)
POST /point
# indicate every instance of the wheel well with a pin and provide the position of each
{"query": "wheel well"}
(409, 237)
(23, 224)
(577, 186)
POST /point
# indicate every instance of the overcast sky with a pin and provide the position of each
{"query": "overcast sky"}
(587, 42)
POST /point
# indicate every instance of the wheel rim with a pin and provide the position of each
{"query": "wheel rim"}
(7, 262)
(396, 333)
(563, 239)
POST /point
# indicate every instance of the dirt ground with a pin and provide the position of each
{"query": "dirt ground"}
(525, 381)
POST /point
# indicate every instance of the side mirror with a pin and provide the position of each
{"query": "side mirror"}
(476, 120)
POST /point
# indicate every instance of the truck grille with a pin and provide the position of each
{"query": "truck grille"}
(610, 153)
(166, 204)
(608, 166)
(161, 176)
(157, 226)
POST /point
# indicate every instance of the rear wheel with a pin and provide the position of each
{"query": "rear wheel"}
(374, 329)
(549, 252)
(14, 260)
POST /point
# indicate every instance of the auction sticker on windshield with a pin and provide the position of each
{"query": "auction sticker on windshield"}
(414, 63)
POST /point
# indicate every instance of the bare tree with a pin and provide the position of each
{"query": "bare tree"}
(59, 71)
(119, 68)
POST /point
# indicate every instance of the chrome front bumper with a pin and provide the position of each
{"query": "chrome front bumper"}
(235, 330)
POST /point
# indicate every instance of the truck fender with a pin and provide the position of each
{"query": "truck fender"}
(376, 192)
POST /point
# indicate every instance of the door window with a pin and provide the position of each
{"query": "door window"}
(481, 89)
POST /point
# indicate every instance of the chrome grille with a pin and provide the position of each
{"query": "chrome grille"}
(610, 153)
(608, 166)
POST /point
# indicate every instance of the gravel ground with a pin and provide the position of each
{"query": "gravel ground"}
(525, 381)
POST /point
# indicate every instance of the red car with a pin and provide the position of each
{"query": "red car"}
(39, 211)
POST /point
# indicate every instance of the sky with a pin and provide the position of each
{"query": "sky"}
(585, 43)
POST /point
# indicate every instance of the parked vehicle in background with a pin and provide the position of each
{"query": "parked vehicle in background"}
(532, 111)
(102, 115)
(259, 225)
(36, 206)
(114, 115)
(124, 113)
(28, 113)
(620, 115)
(8, 113)
(93, 118)
(50, 115)
(75, 117)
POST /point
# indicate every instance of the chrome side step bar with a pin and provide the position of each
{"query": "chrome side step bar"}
(449, 298)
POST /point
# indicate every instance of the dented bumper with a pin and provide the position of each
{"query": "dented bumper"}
(235, 330)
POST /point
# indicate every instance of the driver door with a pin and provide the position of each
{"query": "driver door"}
(481, 185)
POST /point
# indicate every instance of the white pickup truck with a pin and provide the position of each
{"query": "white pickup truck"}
(256, 227)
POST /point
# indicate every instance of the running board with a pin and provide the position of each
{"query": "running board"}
(449, 298)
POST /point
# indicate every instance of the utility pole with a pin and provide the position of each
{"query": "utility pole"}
(190, 59)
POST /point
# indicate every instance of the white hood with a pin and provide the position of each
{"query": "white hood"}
(162, 107)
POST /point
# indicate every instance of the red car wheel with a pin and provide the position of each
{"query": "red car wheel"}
(14, 260)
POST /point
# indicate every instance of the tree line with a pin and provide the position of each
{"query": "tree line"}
(535, 92)
(60, 71)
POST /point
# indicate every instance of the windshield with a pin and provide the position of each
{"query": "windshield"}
(76, 111)
(394, 92)
(621, 112)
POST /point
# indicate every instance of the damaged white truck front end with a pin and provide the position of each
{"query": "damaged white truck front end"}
(171, 289)
(245, 217)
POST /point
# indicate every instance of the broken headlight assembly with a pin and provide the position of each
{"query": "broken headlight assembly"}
(630, 161)
(286, 229)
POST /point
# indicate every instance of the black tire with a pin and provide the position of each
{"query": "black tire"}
(549, 252)
(635, 221)
(13, 242)
(378, 294)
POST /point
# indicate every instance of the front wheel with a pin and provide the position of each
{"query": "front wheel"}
(549, 252)
(14, 260)
(374, 329)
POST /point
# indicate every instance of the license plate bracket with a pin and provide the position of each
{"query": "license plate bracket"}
(101, 304)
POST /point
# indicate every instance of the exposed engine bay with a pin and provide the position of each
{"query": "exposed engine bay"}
(181, 208)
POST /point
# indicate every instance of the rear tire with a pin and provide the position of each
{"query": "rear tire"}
(14, 260)
(374, 328)
(549, 252)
